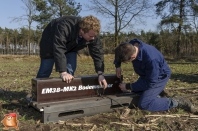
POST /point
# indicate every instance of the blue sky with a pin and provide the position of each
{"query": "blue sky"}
(13, 8)
(10, 8)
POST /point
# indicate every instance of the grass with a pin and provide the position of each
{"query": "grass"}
(16, 73)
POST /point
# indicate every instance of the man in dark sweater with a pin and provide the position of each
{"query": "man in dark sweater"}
(62, 39)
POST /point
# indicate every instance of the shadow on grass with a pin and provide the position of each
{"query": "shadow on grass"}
(189, 78)
(15, 102)
(184, 59)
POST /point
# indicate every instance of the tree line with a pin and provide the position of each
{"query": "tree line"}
(176, 35)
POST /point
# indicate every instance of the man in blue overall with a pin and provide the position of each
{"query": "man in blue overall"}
(154, 73)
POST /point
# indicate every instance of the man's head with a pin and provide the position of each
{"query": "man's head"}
(89, 27)
(125, 52)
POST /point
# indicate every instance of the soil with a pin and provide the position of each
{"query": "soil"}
(138, 120)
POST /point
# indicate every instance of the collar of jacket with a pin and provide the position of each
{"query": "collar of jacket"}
(139, 55)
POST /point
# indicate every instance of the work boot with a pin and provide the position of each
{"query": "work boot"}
(184, 103)
(125, 113)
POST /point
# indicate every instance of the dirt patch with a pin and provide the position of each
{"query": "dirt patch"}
(30, 119)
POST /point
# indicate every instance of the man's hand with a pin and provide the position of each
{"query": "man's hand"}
(102, 81)
(118, 72)
(66, 77)
(123, 87)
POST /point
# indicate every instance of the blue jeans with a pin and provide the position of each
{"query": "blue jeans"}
(46, 65)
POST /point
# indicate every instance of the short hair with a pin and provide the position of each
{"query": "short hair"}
(90, 23)
(124, 52)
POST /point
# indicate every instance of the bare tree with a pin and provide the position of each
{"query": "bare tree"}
(30, 11)
(123, 12)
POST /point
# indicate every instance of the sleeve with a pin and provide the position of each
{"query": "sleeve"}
(59, 46)
(117, 63)
(97, 54)
(152, 70)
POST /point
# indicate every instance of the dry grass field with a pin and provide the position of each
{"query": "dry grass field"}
(16, 73)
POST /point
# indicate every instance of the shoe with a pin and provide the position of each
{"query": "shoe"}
(125, 113)
(183, 103)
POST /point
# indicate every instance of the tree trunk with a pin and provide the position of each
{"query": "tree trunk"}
(116, 24)
(180, 26)
(7, 45)
(29, 39)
